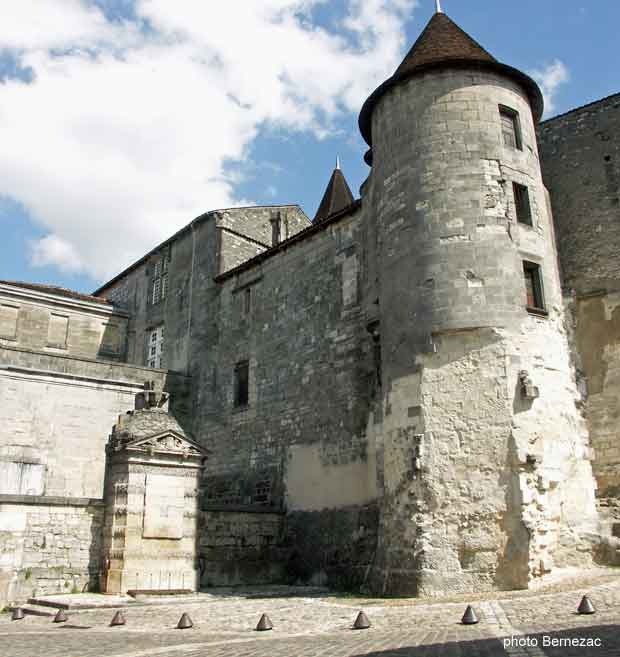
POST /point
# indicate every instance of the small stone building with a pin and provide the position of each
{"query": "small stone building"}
(414, 393)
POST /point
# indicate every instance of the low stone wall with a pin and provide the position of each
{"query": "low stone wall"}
(48, 545)
(333, 547)
(251, 546)
(242, 547)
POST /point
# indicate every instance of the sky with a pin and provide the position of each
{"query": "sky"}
(122, 120)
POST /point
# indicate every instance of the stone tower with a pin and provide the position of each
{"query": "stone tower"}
(487, 481)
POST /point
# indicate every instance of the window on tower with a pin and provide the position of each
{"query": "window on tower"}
(523, 209)
(511, 128)
(242, 383)
(535, 301)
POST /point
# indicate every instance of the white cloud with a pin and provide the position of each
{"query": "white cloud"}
(124, 136)
(550, 78)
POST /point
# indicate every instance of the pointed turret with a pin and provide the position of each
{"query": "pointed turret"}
(337, 195)
(444, 45)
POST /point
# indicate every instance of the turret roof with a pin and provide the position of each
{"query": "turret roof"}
(442, 39)
(337, 196)
(444, 44)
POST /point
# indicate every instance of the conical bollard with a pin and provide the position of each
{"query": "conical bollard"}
(585, 606)
(361, 622)
(118, 619)
(18, 613)
(264, 624)
(60, 617)
(469, 617)
(185, 622)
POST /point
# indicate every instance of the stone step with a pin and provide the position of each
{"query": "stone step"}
(78, 601)
(38, 610)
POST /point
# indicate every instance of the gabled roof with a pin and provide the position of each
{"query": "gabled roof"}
(337, 196)
(443, 44)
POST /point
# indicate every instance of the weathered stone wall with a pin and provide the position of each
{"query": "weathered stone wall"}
(213, 243)
(243, 547)
(48, 548)
(61, 325)
(580, 158)
(55, 418)
(480, 473)
(301, 442)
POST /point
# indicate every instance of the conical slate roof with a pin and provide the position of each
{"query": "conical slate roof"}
(337, 196)
(443, 44)
(441, 40)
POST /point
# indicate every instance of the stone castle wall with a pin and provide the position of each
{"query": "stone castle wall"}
(580, 157)
(301, 443)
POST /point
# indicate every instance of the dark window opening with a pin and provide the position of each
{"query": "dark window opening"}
(247, 300)
(242, 379)
(522, 204)
(276, 223)
(511, 128)
(533, 287)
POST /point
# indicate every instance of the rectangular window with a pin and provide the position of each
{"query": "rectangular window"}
(160, 280)
(155, 348)
(522, 204)
(111, 338)
(57, 331)
(8, 321)
(511, 128)
(242, 381)
(247, 300)
(533, 286)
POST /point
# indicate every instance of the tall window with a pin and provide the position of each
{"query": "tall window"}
(247, 301)
(276, 227)
(242, 383)
(511, 128)
(522, 204)
(533, 286)
(155, 348)
(160, 280)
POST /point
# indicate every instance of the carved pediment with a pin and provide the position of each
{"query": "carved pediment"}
(167, 442)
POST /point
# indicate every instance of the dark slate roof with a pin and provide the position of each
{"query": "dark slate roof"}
(59, 291)
(337, 196)
(444, 44)
(442, 39)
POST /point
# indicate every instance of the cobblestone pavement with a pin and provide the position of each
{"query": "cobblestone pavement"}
(515, 626)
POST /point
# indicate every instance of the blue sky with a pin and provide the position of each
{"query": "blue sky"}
(121, 120)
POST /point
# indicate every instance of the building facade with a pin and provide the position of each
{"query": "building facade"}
(414, 393)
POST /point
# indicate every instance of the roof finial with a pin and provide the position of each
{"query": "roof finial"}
(438, 5)
(338, 162)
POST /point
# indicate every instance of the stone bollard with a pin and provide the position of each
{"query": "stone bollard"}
(264, 624)
(586, 606)
(361, 622)
(185, 622)
(60, 617)
(118, 619)
(18, 613)
(469, 617)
